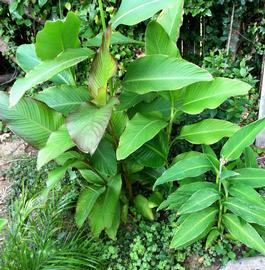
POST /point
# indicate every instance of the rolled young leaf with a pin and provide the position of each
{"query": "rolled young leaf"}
(132, 12)
(87, 125)
(193, 227)
(236, 144)
(244, 232)
(158, 41)
(209, 95)
(208, 131)
(46, 70)
(162, 73)
(189, 167)
(142, 206)
(31, 120)
(139, 130)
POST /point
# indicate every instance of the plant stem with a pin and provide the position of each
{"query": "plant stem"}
(218, 182)
(102, 16)
(172, 116)
(127, 181)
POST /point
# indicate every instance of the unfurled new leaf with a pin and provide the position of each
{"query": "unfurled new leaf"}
(162, 73)
(102, 69)
(87, 125)
(142, 206)
(139, 130)
(208, 131)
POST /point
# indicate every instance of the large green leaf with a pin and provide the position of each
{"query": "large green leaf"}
(209, 95)
(104, 213)
(58, 142)
(57, 36)
(189, 167)
(139, 130)
(104, 159)
(46, 70)
(253, 177)
(253, 213)
(116, 38)
(247, 194)
(244, 232)
(193, 227)
(85, 203)
(64, 98)
(153, 153)
(27, 59)
(29, 119)
(158, 41)
(142, 206)
(236, 144)
(171, 19)
(162, 73)
(102, 69)
(133, 12)
(199, 200)
(208, 131)
(88, 124)
(118, 122)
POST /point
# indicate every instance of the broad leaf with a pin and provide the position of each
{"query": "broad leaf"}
(247, 194)
(69, 155)
(208, 131)
(142, 206)
(253, 213)
(153, 153)
(64, 98)
(183, 193)
(132, 12)
(85, 203)
(253, 177)
(88, 124)
(213, 235)
(244, 232)
(103, 213)
(30, 120)
(92, 177)
(162, 73)
(194, 226)
(236, 144)
(102, 69)
(209, 95)
(118, 122)
(210, 154)
(46, 70)
(189, 167)
(139, 130)
(57, 36)
(185, 155)
(171, 19)
(42, 2)
(27, 59)
(201, 199)
(58, 142)
(159, 42)
(104, 159)
(250, 158)
(116, 38)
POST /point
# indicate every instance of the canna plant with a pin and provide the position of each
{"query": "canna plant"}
(119, 135)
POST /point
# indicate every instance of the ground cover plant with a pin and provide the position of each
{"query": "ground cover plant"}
(120, 135)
